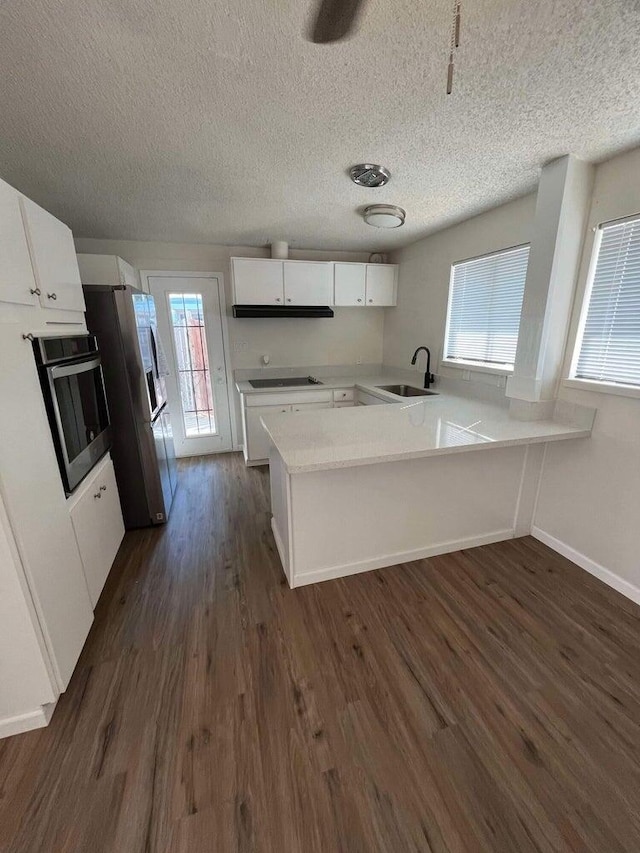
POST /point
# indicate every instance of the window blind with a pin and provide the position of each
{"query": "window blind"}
(485, 302)
(609, 346)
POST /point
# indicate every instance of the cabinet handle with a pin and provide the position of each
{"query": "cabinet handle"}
(359, 300)
(97, 495)
(371, 300)
(35, 291)
(278, 299)
(103, 488)
(52, 296)
(288, 299)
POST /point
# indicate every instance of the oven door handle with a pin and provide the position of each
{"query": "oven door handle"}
(59, 370)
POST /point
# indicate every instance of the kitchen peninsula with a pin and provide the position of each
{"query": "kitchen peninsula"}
(373, 486)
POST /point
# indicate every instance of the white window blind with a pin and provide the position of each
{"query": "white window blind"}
(485, 302)
(609, 343)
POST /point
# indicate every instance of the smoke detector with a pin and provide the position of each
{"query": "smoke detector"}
(368, 175)
(384, 216)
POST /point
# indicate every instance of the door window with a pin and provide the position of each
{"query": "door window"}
(194, 380)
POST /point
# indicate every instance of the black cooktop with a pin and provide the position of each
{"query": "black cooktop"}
(291, 381)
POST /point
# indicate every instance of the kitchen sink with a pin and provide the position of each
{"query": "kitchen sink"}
(407, 391)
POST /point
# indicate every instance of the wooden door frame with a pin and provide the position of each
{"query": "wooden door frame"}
(226, 349)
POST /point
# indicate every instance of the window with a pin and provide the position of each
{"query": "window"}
(187, 320)
(608, 344)
(485, 302)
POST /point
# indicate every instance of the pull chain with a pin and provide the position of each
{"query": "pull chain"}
(455, 41)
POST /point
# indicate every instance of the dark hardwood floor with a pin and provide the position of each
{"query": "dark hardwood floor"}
(487, 700)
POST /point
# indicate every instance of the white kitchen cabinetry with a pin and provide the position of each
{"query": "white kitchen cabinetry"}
(344, 395)
(257, 281)
(267, 281)
(107, 269)
(349, 284)
(255, 406)
(97, 522)
(256, 441)
(365, 399)
(381, 285)
(309, 407)
(308, 283)
(53, 256)
(17, 281)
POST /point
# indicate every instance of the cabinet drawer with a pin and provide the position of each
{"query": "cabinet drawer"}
(340, 395)
(98, 526)
(287, 398)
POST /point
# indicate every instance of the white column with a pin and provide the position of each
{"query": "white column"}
(562, 207)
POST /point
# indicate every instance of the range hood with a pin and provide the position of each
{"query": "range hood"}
(282, 311)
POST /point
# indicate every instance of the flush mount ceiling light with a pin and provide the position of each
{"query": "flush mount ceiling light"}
(384, 216)
(369, 175)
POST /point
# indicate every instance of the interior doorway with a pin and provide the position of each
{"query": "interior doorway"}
(190, 319)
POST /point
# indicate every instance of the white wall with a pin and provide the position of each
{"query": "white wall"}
(589, 496)
(425, 267)
(353, 335)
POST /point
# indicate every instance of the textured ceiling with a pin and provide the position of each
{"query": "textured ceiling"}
(218, 122)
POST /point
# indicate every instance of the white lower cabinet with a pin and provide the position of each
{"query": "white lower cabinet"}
(309, 407)
(256, 441)
(97, 522)
(364, 399)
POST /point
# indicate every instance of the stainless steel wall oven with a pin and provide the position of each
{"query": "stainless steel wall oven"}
(73, 389)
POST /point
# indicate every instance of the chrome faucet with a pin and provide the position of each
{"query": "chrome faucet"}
(428, 376)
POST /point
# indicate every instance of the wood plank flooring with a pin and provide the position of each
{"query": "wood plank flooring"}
(487, 700)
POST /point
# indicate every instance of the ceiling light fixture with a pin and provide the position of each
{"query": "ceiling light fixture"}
(369, 175)
(384, 216)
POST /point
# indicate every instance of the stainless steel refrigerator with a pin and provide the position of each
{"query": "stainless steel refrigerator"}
(123, 320)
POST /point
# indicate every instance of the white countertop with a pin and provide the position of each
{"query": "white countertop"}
(328, 383)
(408, 429)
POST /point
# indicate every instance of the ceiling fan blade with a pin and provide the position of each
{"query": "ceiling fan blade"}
(335, 19)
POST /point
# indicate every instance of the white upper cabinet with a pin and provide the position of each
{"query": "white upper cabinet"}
(308, 283)
(349, 284)
(381, 284)
(107, 269)
(53, 256)
(17, 282)
(267, 281)
(257, 281)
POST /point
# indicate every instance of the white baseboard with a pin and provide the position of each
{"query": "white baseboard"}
(400, 557)
(605, 575)
(37, 719)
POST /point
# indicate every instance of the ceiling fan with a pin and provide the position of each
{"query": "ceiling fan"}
(335, 19)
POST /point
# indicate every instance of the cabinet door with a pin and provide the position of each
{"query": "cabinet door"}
(97, 522)
(256, 438)
(54, 259)
(257, 281)
(129, 276)
(381, 284)
(349, 284)
(308, 283)
(308, 407)
(17, 282)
